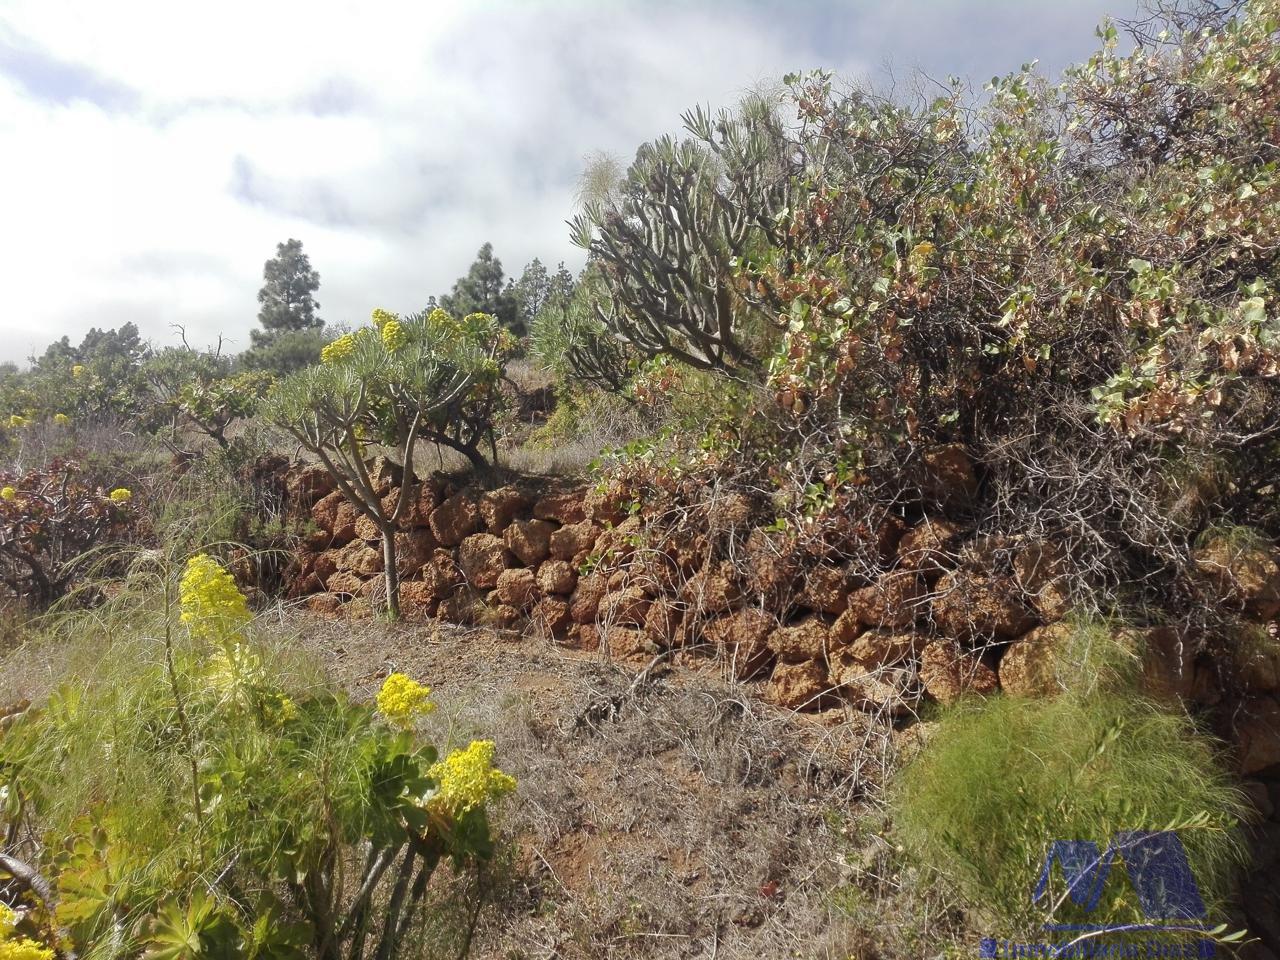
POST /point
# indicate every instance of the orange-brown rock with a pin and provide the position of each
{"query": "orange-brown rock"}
(711, 592)
(607, 505)
(1257, 728)
(1258, 659)
(883, 690)
(585, 602)
(770, 562)
(895, 600)
(627, 607)
(798, 686)
(417, 592)
(325, 511)
(973, 606)
(384, 474)
(345, 583)
(948, 673)
(441, 575)
(325, 604)
(929, 547)
(876, 648)
(324, 565)
(743, 637)
(550, 618)
(344, 524)
(499, 507)
(807, 640)
(366, 529)
(529, 540)
(948, 479)
(627, 643)
(1244, 572)
(826, 589)
(417, 511)
(557, 576)
(616, 544)
(662, 622)
(1029, 665)
(564, 508)
(307, 485)
(455, 519)
(462, 607)
(573, 539)
(728, 512)
(517, 588)
(482, 557)
(413, 549)
(1041, 571)
(359, 558)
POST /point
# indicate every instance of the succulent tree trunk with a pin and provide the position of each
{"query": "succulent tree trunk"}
(390, 573)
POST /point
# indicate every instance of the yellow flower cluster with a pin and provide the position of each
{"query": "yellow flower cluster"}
(339, 350)
(213, 608)
(466, 779)
(120, 495)
(78, 370)
(13, 947)
(441, 321)
(393, 335)
(16, 421)
(403, 699)
(8, 493)
(382, 317)
(61, 419)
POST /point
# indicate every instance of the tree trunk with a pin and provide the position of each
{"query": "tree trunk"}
(390, 574)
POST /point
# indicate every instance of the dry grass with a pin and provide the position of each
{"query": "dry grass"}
(675, 818)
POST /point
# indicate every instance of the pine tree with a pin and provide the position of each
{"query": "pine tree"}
(484, 290)
(286, 296)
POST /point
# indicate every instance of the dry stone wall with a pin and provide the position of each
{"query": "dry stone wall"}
(947, 614)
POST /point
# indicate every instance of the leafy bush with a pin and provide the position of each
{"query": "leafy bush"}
(50, 521)
(1001, 778)
(427, 377)
(200, 795)
(1076, 283)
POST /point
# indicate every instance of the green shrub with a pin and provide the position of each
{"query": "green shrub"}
(1002, 778)
(199, 791)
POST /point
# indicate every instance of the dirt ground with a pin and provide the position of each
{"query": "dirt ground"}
(674, 815)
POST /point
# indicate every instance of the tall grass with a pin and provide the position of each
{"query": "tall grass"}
(1003, 778)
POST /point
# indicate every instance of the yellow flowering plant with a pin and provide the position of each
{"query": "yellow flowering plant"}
(14, 946)
(9, 494)
(120, 495)
(213, 608)
(467, 780)
(61, 419)
(395, 382)
(402, 700)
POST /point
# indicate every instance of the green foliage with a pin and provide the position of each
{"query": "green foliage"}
(286, 294)
(285, 352)
(50, 524)
(200, 794)
(427, 377)
(999, 779)
(199, 390)
(569, 338)
(485, 290)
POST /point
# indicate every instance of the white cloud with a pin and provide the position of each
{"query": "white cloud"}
(155, 152)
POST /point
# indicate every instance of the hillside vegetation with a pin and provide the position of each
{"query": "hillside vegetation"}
(893, 495)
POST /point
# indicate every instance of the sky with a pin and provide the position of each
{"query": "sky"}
(154, 152)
